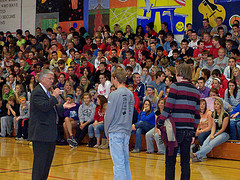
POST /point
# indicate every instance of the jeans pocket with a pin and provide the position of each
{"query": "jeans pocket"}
(179, 136)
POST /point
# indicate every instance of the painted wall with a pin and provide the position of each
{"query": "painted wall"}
(228, 10)
(17, 14)
(28, 14)
(176, 14)
(123, 13)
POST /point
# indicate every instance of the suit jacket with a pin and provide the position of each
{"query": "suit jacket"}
(42, 122)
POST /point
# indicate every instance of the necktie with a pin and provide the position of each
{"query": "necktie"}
(54, 107)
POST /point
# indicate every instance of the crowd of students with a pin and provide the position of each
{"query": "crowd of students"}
(82, 65)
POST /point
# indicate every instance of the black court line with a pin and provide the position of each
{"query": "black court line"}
(130, 156)
(57, 165)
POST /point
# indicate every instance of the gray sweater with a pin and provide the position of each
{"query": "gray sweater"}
(119, 114)
(25, 113)
(86, 113)
(232, 100)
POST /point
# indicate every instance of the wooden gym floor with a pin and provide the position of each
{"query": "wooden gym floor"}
(89, 163)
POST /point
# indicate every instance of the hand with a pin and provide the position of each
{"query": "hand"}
(193, 139)
(56, 92)
(211, 138)
(183, 51)
(82, 126)
(230, 108)
(17, 119)
(7, 105)
(133, 127)
(232, 116)
(231, 92)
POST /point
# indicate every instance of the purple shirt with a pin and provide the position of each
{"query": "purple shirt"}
(72, 112)
(60, 86)
(204, 93)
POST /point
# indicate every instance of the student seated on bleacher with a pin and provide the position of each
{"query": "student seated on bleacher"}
(71, 120)
(235, 123)
(220, 131)
(22, 133)
(10, 110)
(205, 124)
(146, 121)
(154, 135)
(232, 94)
(98, 125)
(86, 117)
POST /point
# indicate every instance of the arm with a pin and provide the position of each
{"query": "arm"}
(169, 105)
(213, 130)
(10, 110)
(197, 113)
(109, 115)
(148, 117)
(224, 126)
(80, 114)
(161, 94)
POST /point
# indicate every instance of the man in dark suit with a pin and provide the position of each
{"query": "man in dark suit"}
(43, 124)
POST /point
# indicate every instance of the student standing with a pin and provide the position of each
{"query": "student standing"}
(183, 103)
(118, 124)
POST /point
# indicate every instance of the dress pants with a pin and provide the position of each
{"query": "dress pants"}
(43, 155)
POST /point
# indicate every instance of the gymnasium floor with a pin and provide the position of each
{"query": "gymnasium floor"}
(89, 163)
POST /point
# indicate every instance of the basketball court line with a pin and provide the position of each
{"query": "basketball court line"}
(130, 156)
(57, 165)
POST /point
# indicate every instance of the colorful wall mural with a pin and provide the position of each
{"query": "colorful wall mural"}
(177, 13)
(123, 13)
(228, 10)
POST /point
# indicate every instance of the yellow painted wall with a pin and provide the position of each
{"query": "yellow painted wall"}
(187, 10)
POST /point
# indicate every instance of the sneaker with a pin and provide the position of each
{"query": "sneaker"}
(135, 151)
(160, 153)
(22, 139)
(195, 159)
(95, 146)
(72, 146)
(149, 152)
(72, 141)
(17, 139)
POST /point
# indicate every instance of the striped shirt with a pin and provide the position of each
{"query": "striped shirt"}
(183, 103)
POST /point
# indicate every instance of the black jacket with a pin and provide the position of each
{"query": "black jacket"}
(42, 123)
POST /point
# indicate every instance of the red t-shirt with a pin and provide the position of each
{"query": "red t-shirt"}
(126, 62)
(197, 52)
(102, 46)
(86, 47)
(29, 61)
(214, 51)
(238, 61)
(209, 45)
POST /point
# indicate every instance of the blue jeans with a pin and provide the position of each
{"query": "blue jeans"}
(149, 139)
(97, 129)
(142, 127)
(202, 137)
(209, 145)
(118, 143)
(234, 127)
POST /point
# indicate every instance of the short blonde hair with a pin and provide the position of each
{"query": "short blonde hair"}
(185, 71)
(120, 74)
